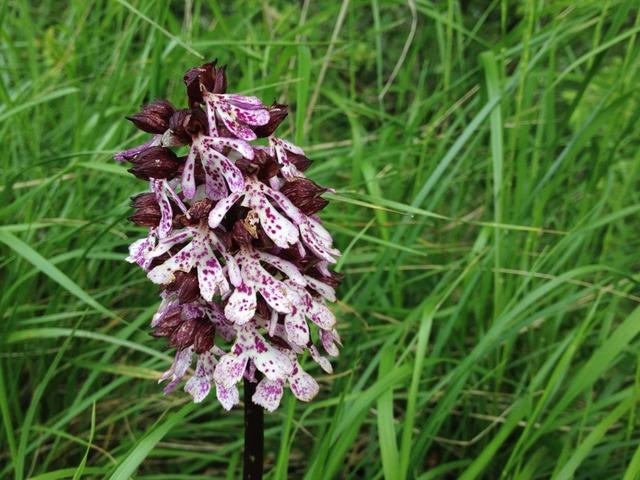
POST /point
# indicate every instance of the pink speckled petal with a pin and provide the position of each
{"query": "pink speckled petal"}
(318, 230)
(321, 315)
(273, 364)
(229, 171)
(317, 245)
(329, 338)
(188, 174)
(279, 229)
(183, 261)
(243, 101)
(320, 360)
(289, 170)
(166, 214)
(274, 292)
(303, 386)
(211, 113)
(199, 385)
(230, 369)
(233, 125)
(242, 304)
(296, 327)
(291, 147)
(233, 270)
(227, 396)
(218, 212)
(165, 244)
(240, 146)
(170, 188)
(283, 202)
(132, 152)
(322, 288)
(181, 363)
(288, 268)
(268, 394)
(215, 185)
(250, 117)
(140, 251)
(210, 276)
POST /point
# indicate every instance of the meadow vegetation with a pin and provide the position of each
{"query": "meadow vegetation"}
(486, 161)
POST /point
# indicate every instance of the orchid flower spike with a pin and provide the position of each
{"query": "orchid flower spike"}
(234, 243)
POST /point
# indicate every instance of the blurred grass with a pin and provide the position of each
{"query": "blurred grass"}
(485, 156)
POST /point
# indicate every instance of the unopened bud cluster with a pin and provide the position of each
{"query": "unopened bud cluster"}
(234, 243)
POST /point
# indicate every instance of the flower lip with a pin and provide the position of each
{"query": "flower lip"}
(153, 117)
(155, 162)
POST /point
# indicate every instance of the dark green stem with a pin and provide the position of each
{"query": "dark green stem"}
(253, 435)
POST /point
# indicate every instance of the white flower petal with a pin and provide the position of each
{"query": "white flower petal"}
(218, 212)
(296, 327)
(183, 261)
(303, 385)
(268, 394)
(230, 369)
(188, 174)
(242, 304)
(227, 396)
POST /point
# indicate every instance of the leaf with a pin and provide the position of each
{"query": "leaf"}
(130, 463)
(46, 267)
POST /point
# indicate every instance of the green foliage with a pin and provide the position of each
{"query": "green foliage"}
(486, 160)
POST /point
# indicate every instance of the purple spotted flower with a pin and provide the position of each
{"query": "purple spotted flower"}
(234, 244)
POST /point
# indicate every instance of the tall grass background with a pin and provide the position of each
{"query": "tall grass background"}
(486, 161)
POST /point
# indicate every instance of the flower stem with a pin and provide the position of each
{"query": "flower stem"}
(253, 434)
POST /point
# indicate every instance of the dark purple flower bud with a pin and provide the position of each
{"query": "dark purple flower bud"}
(154, 117)
(305, 194)
(182, 337)
(144, 200)
(277, 113)
(209, 76)
(147, 217)
(188, 290)
(155, 162)
(187, 123)
(192, 81)
(168, 324)
(213, 78)
(300, 161)
(147, 210)
(204, 336)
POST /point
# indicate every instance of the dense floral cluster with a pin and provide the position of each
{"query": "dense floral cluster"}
(234, 243)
